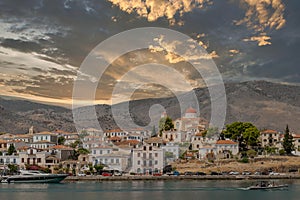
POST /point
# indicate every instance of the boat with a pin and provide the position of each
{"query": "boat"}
(265, 185)
(34, 176)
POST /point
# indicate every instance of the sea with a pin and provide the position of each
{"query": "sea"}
(149, 190)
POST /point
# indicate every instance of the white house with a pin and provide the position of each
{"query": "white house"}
(117, 160)
(147, 159)
(223, 146)
(171, 151)
(45, 136)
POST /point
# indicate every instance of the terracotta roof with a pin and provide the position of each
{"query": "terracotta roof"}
(3, 141)
(23, 136)
(226, 142)
(114, 138)
(127, 142)
(296, 135)
(198, 134)
(61, 147)
(44, 133)
(23, 148)
(269, 131)
(155, 140)
(113, 131)
(190, 110)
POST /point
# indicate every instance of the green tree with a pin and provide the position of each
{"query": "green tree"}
(61, 140)
(243, 132)
(83, 151)
(11, 149)
(287, 143)
(99, 167)
(76, 144)
(153, 134)
(212, 131)
(165, 124)
(12, 168)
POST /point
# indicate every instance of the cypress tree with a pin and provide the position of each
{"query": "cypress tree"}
(287, 143)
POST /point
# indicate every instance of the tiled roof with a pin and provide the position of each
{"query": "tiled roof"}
(127, 142)
(114, 138)
(198, 134)
(113, 131)
(61, 147)
(44, 133)
(296, 135)
(155, 140)
(269, 131)
(226, 142)
(190, 110)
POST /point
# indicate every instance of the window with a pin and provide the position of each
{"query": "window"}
(112, 160)
(145, 163)
(145, 148)
(156, 162)
(156, 154)
(150, 155)
(139, 154)
(138, 162)
(22, 160)
(117, 160)
(150, 163)
(100, 151)
(39, 160)
(197, 146)
(150, 148)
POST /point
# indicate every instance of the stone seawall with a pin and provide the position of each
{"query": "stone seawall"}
(175, 178)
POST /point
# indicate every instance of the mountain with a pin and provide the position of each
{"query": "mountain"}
(266, 104)
(17, 116)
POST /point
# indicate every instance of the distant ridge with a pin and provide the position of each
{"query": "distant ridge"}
(266, 104)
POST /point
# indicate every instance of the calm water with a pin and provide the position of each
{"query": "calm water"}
(152, 190)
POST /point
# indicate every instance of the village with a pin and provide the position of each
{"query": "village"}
(134, 152)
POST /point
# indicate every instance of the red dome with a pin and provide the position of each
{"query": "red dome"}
(190, 110)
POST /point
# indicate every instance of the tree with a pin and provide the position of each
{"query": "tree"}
(165, 124)
(287, 143)
(12, 168)
(243, 132)
(61, 140)
(11, 149)
(212, 131)
(153, 134)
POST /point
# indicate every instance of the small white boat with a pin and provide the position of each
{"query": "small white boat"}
(265, 185)
(34, 176)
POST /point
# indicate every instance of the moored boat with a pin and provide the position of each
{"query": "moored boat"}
(33, 176)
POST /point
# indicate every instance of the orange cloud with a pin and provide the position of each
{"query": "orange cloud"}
(262, 40)
(263, 14)
(154, 9)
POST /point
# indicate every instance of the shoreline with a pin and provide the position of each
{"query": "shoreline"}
(175, 178)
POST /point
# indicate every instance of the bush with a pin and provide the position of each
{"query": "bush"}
(281, 152)
(244, 160)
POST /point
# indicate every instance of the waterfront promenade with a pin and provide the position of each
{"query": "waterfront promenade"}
(175, 178)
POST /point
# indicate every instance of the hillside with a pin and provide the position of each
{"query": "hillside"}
(266, 104)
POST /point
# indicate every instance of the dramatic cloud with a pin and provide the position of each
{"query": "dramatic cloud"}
(43, 43)
(154, 9)
(263, 14)
(262, 40)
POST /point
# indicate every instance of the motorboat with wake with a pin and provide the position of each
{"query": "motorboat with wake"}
(266, 185)
(34, 176)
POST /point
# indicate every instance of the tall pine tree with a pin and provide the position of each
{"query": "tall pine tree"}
(287, 143)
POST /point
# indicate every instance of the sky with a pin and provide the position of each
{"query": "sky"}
(43, 43)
